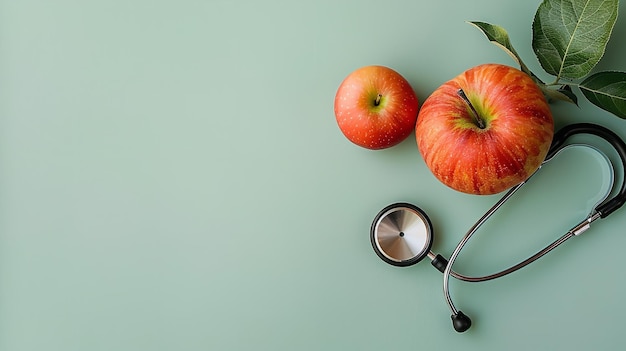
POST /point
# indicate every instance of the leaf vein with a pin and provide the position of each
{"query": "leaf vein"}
(571, 38)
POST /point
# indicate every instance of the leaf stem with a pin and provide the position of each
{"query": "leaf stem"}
(555, 83)
(479, 121)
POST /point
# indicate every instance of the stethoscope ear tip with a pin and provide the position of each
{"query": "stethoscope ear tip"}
(461, 322)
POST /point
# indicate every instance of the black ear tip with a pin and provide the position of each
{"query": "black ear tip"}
(461, 322)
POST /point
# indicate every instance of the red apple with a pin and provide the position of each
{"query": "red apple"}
(486, 130)
(376, 107)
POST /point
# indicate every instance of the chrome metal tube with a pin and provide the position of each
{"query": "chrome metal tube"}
(465, 239)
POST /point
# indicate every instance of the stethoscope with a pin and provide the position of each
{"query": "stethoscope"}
(402, 234)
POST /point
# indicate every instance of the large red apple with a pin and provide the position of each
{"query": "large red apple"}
(376, 107)
(486, 130)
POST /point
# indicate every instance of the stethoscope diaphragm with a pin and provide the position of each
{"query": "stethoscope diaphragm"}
(401, 234)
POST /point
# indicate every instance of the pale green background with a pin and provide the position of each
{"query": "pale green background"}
(172, 178)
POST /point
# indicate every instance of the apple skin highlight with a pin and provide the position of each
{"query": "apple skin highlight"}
(516, 138)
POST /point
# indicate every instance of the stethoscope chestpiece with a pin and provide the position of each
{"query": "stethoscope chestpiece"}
(401, 234)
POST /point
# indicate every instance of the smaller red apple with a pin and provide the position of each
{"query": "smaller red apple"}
(376, 107)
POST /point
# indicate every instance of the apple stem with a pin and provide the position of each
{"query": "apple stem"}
(479, 121)
(377, 101)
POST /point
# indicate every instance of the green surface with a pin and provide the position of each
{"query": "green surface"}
(172, 178)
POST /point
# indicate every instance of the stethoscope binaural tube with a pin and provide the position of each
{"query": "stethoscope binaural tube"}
(460, 321)
(401, 234)
(616, 142)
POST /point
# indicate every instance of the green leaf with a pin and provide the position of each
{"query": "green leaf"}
(563, 93)
(499, 37)
(569, 36)
(566, 90)
(607, 90)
